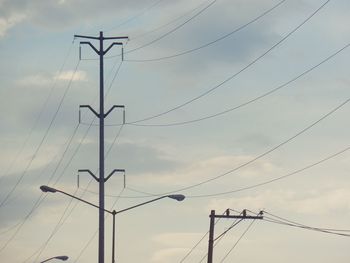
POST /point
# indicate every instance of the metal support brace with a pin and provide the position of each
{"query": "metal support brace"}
(91, 109)
(112, 108)
(87, 171)
(116, 171)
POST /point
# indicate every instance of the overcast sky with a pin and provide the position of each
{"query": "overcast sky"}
(239, 104)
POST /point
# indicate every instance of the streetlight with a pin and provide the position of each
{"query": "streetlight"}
(64, 258)
(177, 197)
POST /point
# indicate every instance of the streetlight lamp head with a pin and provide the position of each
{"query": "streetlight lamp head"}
(64, 258)
(177, 197)
(46, 189)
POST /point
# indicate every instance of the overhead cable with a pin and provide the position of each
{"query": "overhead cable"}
(211, 42)
(235, 74)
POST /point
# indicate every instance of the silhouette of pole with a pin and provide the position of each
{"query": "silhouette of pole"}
(101, 115)
(212, 216)
(211, 236)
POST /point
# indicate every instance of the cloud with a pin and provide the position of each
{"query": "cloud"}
(208, 168)
(71, 75)
(34, 81)
(176, 245)
(44, 80)
(184, 240)
(7, 23)
(163, 255)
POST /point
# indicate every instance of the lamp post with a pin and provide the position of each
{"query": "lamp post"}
(48, 189)
(64, 258)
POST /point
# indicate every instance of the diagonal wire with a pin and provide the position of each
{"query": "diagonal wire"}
(166, 24)
(40, 199)
(211, 42)
(249, 101)
(42, 140)
(201, 239)
(12, 163)
(61, 220)
(236, 243)
(266, 152)
(169, 32)
(237, 73)
(299, 224)
(95, 233)
(136, 16)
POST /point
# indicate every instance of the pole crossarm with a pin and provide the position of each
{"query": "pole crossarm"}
(89, 172)
(91, 45)
(89, 37)
(239, 216)
(111, 45)
(112, 108)
(101, 38)
(92, 110)
(116, 171)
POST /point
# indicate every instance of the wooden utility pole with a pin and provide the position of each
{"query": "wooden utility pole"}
(212, 216)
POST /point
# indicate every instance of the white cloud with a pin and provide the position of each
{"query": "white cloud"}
(202, 170)
(33, 81)
(71, 75)
(164, 255)
(41, 80)
(184, 240)
(176, 246)
(7, 23)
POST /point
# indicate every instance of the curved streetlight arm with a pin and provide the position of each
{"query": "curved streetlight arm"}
(175, 197)
(64, 258)
(134, 206)
(45, 188)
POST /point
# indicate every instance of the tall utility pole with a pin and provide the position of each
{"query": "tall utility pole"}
(212, 216)
(101, 115)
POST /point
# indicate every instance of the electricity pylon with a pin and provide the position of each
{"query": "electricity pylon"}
(101, 115)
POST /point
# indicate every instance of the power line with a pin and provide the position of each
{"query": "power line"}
(237, 73)
(20, 225)
(266, 152)
(250, 101)
(136, 16)
(95, 233)
(69, 162)
(62, 220)
(42, 140)
(26, 140)
(274, 179)
(167, 24)
(211, 42)
(236, 243)
(39, 201)
(145, 194)
(193, 248)
(169, 32)
(299, 224)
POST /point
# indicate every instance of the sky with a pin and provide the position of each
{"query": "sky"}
(236, 104)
